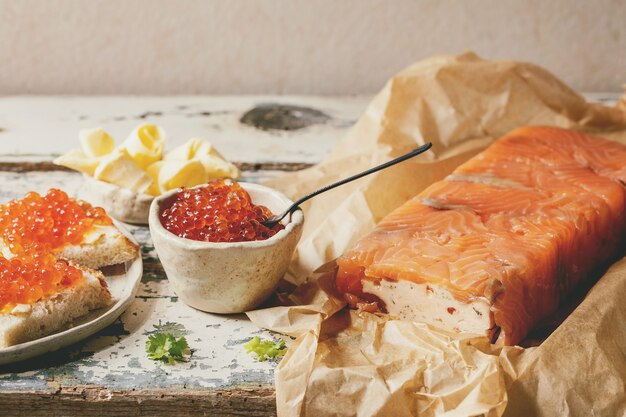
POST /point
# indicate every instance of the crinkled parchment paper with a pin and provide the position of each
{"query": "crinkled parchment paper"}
(342, 363)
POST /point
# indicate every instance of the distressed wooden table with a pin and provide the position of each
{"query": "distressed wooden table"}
(109, 373)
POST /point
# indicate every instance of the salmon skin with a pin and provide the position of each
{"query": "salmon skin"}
(497, 245)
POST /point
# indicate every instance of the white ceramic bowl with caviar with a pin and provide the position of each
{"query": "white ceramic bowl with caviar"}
(222, 277)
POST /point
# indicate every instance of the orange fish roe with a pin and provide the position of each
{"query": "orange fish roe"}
(43, 223)
(29, 278)
(218, 212)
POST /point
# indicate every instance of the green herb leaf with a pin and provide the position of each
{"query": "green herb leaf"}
(166, 347)
(179, 347)
(266, 349)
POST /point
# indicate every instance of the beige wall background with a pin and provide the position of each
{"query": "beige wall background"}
(293, 46)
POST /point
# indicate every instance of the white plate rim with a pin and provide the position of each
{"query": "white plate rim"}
(56, 341)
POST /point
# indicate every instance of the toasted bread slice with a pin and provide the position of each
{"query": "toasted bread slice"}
(104, 246)
(29, 322)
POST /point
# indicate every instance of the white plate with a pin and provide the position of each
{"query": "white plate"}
(123, 286)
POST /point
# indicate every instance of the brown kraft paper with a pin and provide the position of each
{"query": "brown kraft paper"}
(343, 363)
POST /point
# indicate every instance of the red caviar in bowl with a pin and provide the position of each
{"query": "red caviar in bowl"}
(221, 211)
(39, 223)
(27, 279)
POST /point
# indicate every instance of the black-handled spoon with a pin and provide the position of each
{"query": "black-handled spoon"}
(270, 222)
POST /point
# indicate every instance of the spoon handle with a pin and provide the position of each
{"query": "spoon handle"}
(404, 157)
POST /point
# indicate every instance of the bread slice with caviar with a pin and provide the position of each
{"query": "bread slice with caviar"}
(71, 229)
(50, 248)
(35, 303)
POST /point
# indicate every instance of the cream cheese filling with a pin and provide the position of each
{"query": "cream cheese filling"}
(98, 232)
(431, 304)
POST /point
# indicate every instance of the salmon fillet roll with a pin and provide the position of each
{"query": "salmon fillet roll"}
(497, 245)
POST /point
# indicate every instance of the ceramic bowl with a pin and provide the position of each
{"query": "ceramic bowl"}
(120, 203)
(227, 277)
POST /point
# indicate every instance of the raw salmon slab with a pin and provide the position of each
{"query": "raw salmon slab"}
(500, 242)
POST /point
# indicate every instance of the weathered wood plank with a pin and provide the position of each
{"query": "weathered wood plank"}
(102, 402)
(42, 126)
(39, 166)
